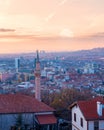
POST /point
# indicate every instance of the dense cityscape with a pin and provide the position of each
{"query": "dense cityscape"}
(57, 79)
(83, 70)
(51, 65)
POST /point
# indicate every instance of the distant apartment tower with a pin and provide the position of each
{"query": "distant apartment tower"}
(89, 69)
(17, 64)
(37, 74)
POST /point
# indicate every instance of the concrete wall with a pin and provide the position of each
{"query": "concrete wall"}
(8, 120)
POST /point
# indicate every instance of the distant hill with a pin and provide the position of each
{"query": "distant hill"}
(93, 53)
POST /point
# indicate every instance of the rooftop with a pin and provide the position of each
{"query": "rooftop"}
(89, 108)
(18, 103)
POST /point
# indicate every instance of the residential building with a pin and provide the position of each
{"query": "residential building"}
(17, 110)
(88, 115)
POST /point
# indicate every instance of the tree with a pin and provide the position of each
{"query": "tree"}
(61, 101)
(19, 122)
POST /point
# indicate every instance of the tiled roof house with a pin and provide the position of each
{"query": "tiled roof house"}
(88, 115)
(34, 114)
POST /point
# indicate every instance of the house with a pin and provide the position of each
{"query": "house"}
(88, 115)
(17, 110)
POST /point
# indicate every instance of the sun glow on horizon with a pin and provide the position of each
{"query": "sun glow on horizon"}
(66, 33)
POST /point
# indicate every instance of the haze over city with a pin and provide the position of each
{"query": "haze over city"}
(51, 25)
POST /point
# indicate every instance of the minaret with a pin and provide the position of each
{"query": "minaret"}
(37, 78)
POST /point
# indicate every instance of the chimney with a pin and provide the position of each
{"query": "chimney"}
(99, 108)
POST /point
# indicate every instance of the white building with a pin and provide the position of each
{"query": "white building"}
(88, 115)
(25, 85)
(88, 69)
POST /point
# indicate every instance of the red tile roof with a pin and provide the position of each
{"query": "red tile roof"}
(89, 108)
(18, 103)
(46, 119)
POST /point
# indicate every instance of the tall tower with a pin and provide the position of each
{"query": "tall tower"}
(17, 64)
(37, 78)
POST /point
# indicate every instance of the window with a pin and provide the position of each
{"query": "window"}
(75, 117)
(81, 121)
(96, 125)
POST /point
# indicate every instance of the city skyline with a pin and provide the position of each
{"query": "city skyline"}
(57, 25)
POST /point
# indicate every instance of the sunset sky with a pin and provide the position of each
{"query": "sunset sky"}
(51, 25)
